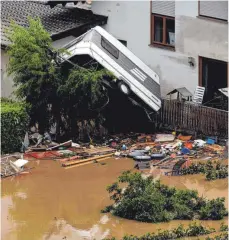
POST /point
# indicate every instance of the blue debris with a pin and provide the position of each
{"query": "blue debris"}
(185, 151)
(210, 141)
(124, 147)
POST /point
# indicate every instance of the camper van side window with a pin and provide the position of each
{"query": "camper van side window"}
(110, 48)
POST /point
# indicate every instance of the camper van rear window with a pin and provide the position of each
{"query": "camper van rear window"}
(110, 48)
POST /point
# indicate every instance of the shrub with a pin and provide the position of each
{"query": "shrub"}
(211, 172)
(107, 209)
(224, 227)
(195, 229)
(14, 120)
(192, 230)
(222, 236)
(146, 200)
(214, 209)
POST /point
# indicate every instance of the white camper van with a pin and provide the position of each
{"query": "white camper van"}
(133, 76)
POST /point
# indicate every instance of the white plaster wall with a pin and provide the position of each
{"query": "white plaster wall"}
(6, 81)
(130, 21)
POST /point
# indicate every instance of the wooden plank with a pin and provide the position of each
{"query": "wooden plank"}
(86, 163)
(86, 160)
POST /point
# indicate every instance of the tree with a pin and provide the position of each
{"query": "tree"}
(146, 200)
(54, 94)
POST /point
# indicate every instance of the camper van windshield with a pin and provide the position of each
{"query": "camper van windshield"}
(110, 48)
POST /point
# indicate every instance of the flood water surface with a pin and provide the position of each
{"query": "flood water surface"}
(52, 203)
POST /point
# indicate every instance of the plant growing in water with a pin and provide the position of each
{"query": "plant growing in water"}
(211, 172)
(192, 230)
(150, 201)
(222, 236)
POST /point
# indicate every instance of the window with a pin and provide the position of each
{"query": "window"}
(110, 48)
(163, 30)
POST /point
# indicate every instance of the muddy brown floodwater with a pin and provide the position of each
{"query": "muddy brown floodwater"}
(52, 202)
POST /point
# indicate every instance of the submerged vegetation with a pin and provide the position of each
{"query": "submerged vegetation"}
(193, 230)
(146, 200)
(211, 171)
(222, 236)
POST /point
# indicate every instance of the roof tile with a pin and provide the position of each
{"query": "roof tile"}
(55, 20)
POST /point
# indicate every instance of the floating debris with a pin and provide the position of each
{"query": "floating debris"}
(11, 168)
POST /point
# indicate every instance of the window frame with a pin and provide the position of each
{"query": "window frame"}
(163, 44)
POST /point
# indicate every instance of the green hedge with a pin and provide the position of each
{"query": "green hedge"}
(14, 124)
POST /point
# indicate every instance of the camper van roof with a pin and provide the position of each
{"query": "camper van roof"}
(127, 52)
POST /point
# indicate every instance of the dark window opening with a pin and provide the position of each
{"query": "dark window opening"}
(213, 76)
(158, 29)
(163, 30)
(123, 42)
(170, 32)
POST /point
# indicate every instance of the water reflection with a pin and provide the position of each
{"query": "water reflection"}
(61, 229)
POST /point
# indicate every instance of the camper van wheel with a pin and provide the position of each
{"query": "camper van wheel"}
(124, 88)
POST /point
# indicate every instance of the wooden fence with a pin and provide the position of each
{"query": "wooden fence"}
(190, 117)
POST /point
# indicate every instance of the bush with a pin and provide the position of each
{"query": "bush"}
(107, 209)
(211, 172)
(192, 230)
(222, 236)
(146, 200)
(214, 209)
(14, 120)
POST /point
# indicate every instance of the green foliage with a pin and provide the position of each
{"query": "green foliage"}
(194, 169)
(34, 73)
(211, 172)
(107, 209)
(223, 227)
(222, 236)
(86, 85)
(150, 201)
(192, 230)
(214, 209)
(56, 95)
(14, 123)
(28, 51)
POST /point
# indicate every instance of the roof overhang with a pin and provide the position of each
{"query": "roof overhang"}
(59, 22)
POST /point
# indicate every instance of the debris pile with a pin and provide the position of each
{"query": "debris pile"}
(12, 165)
(166, 151)
(161, 151)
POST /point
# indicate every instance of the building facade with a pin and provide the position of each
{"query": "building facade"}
(184, 42)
